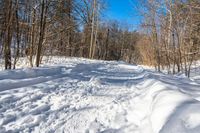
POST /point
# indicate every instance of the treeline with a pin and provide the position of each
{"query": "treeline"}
(169, 36)
(172, 39)
(73, 28)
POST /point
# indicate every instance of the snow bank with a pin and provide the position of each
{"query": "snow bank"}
(77, 95)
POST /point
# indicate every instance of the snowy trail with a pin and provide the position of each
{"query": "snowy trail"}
(84, 96)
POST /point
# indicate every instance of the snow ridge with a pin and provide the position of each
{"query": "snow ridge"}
(88, 96)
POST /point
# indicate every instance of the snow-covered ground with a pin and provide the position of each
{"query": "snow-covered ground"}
(75, 95)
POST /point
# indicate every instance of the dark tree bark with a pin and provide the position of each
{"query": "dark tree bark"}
(42, 31)
(8, 34)
(18, 36)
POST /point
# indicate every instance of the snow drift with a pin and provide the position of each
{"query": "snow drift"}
(87, 96)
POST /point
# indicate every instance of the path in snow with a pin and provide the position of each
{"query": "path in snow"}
(83, 96)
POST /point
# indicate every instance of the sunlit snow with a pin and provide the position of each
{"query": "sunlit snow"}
(75, 95)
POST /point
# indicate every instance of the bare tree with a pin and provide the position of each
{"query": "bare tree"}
(43, 17)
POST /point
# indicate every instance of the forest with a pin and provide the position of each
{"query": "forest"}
(168, 37)
(99, 66)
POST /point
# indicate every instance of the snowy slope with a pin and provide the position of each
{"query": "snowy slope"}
(87, 96)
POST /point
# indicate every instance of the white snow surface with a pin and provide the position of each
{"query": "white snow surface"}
(74, 95)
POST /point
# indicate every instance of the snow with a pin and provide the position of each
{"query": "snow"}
(76, 95)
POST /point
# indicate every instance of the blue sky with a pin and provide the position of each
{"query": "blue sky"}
(123, 11)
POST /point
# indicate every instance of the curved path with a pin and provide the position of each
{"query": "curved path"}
(83, 96)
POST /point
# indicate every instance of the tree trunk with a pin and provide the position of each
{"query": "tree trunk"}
(18, 38)
(8, 35)
(92, 32)
(42, 31)
(96, 33)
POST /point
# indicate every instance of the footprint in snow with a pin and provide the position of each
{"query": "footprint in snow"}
(40, 109)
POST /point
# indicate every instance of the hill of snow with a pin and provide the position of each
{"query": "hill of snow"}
(75, 95)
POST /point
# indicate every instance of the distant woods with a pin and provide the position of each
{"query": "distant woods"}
(169, 37)
(72, 28)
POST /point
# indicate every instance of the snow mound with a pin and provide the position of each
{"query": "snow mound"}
(76, 95)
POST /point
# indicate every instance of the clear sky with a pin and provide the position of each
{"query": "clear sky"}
(123, 11)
